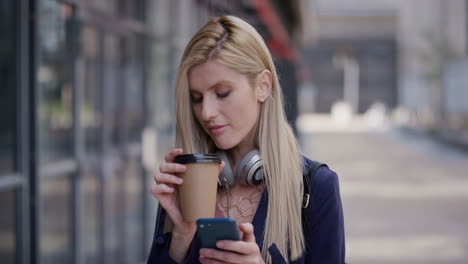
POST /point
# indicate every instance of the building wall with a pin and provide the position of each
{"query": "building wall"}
(72, 182)
(366, 34)
(427, 45)
(377, 66)
(431, 44)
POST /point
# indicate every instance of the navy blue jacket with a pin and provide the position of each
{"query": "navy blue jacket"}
(325, 241)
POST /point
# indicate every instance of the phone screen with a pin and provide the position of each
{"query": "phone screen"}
(211, 230)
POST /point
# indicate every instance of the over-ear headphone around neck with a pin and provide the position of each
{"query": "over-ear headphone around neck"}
(249, 170)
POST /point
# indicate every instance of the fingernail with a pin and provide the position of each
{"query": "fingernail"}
(220, 244)
(179, 181)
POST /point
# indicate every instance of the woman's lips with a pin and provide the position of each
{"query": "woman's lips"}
(216, 130)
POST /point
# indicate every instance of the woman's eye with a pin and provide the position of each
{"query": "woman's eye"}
(223, 95)
(196, 99)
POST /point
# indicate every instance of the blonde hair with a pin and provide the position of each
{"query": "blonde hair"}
(237, 45)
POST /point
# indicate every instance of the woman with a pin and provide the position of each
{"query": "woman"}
(228, 98)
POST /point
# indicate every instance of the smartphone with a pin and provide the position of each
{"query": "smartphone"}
(211, 230)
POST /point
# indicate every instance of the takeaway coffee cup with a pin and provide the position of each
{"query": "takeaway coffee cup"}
(198, 191)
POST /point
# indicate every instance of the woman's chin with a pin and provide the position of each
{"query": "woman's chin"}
(224, 145)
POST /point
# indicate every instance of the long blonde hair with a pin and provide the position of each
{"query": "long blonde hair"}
(237, 45)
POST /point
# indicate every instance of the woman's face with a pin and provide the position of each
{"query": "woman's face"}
(225, 104)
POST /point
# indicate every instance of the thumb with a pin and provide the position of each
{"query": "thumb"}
(221, 167)
(248, 232)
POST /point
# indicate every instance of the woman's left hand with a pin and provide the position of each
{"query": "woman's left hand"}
(245, 251)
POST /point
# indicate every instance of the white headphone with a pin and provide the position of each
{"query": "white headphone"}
(249, 171)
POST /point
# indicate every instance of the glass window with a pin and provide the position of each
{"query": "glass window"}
(54, 218)
(134, 210)
(133, 119)
(160, 86)
(89, 69)
(133, 9)
(113, 87)
(113, 215)
(54, 82)
(8, 227)
(89, 215)
(138, 10)
(7, 92)
(108, 6)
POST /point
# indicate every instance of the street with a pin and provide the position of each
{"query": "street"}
(405, 195)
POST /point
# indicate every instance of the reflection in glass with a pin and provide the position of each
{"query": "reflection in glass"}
(7, 227)
(134, 211)
(134, 88)
(54, 219)
(8, 79)
(90, 218)
(138, 10)
(54, 82)
(89, 65)
(158, 85)
(108, 6)
(113, 87)
(113, 208)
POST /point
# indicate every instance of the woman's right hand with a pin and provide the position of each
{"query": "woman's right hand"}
(166, 191)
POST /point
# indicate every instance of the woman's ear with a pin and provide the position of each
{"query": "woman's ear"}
(264, 86)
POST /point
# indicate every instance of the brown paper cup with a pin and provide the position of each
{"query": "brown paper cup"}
(198, 191)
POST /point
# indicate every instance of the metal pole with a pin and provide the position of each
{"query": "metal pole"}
(23, 244)
(33, 30)
(75, 72)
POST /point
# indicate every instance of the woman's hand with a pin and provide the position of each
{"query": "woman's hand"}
(245, 251)
(165, 190)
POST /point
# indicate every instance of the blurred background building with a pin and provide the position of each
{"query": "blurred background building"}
(409, 56)
(87, 92)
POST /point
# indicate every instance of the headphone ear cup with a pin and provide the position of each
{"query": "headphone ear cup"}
(250, 169)
(226, 173)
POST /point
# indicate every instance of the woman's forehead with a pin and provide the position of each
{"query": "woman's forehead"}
(212, 74)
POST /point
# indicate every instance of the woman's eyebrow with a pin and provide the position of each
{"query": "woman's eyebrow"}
(214, 86)
(221, 83)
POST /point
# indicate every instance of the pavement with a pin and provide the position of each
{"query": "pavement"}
(405, 195)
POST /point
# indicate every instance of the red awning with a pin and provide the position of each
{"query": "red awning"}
(279, 43)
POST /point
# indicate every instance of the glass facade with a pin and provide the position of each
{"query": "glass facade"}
(90, 218)
(113, 99)
(54, 82)
(8, 91)
(113, 215)
(106, 6)
(134, 87)
(90, 113)
(88, 64)
(8, 227)
(133, 203)
(55, 220)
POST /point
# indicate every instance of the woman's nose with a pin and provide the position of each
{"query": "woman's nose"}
(209, 110)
